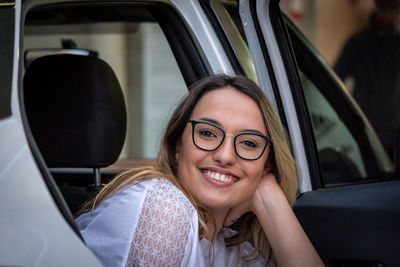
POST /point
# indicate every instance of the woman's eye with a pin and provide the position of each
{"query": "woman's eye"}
(207, 133)
(249, 144)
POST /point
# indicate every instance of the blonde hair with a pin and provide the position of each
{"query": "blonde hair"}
(280, 157)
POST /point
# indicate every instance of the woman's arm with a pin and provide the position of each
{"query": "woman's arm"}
(288, 240)
(290, 244)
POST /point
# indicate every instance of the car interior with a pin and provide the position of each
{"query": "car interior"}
(85, 124)
(81, 138)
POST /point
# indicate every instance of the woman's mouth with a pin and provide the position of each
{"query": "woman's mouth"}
(221, 177)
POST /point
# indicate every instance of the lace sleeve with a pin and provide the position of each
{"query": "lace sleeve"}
(163, 227)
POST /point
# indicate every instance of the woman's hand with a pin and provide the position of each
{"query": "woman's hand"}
(290, 245)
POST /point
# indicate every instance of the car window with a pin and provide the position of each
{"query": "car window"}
(360, 40)
(339, 153)
(144, 64)
(348, 149)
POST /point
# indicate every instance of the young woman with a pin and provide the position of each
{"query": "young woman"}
(225, 159)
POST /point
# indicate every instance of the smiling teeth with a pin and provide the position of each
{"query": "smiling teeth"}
(219, 177)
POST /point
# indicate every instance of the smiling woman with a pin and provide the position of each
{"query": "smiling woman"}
(200, 170)
(225, 158)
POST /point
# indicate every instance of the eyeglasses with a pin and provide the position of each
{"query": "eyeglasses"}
(209, 137)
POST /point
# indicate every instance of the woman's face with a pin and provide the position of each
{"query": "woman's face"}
(220, 179)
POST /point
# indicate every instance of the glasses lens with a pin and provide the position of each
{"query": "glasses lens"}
(250, 146)
(206, 136)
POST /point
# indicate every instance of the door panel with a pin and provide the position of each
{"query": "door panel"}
(351, 224)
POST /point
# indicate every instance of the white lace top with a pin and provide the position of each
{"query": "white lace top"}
(152, 223)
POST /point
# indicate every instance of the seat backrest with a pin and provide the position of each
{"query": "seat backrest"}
(76, 110)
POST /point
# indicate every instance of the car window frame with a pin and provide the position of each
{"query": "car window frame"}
(259, 20)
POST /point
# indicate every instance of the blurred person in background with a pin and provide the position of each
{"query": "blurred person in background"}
(370, 60)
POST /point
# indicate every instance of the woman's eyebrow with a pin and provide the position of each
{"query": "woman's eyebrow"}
(245, 130)
(210, 120)
(254, 131)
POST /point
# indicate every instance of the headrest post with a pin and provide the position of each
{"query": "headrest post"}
(97, 177)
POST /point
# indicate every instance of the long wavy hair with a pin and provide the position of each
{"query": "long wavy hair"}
(280, 157)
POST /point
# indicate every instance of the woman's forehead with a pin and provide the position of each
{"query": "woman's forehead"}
(230, 108)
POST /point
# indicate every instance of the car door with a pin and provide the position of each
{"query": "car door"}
(33, 228)
(349, 192)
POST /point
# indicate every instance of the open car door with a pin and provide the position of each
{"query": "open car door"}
(349, 192)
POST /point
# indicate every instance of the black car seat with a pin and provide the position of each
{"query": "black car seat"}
(77, 115)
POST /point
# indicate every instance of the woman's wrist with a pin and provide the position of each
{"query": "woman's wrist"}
(268, 197)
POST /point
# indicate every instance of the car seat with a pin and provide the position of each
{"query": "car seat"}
(77, 115)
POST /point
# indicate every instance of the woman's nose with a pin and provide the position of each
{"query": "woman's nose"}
(225, 154)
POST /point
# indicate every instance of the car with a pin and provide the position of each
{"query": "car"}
(64, 63)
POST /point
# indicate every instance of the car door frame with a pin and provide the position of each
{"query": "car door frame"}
(273, 76)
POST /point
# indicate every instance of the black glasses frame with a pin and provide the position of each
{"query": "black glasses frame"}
(194, 122)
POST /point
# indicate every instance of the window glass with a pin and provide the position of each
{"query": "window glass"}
(360, 40)
(347, 147)
(144, 64)
(339, 153)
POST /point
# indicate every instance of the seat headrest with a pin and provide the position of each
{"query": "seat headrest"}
(76, 110)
